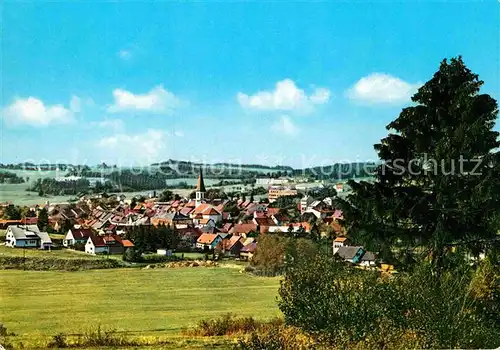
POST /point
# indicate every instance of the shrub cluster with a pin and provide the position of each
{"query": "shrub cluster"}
(347, 307)
(93, 337)
(230, 325)
(279, 338)
(42, 264)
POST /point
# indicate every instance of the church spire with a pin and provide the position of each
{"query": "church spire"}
(200, 189)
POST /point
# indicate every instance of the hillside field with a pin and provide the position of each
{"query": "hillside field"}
(158, 302)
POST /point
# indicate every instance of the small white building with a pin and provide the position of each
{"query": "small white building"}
(27, 236)
(76, 235)
(339, 242)
(96, 245)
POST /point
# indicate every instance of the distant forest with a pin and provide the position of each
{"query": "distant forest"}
(7, 177)
(338, 171)
(155, 178)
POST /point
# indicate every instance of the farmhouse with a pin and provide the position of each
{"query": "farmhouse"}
(207, 212)
(243, 229)
(351, 254)
(248, 251)
(208, 240)
(339, 242)
(77, 236)
(356, 255)
(231, 246)
(112, 244)
(27, 236)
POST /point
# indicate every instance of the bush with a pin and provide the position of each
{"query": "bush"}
(3, 337)
(79, 247)
(348, 307)
(272, 250)
(41, 264)
(3, 330)
(101, 337)
(93, 337)
(132, 255)
(230, 325)
(156, 258)
(279, 338)
(58, 341)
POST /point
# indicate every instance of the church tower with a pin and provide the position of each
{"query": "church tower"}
(200, 189)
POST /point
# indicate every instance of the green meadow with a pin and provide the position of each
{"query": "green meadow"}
(153, 302)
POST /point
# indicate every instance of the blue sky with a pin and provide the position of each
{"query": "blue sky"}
(272, 82)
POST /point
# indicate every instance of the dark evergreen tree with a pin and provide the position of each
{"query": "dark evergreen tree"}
(43, 220)
(438, 183)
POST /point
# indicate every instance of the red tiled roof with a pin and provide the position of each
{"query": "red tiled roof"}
(272, 211)
(244, 228)
(81, 233)
(264, 221)
(190, 204)
(109, 239)
(126, 243)
(227, 227)
(211, 211)
(186, 210)
(201, 208)
(30, 220)
(207, 238)
(229, 243)
(305, 225)
(98, 241)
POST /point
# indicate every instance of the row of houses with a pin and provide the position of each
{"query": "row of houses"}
(201, 223)
(228, 245)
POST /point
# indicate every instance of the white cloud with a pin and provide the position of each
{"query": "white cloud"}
(286, 96)
(156, 100)
(179, 133)
(143, 147)
(33, 111)
(125, 55)
(112, 124)
(382, 88)
(285, 126)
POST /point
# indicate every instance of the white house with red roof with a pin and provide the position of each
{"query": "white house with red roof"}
(77, 235)
(209, 240)
(112, 244)
(207, 212)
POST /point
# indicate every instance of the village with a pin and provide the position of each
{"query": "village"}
(219, 228)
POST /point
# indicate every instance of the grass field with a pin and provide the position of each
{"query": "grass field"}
(38, 304)
(191, 256)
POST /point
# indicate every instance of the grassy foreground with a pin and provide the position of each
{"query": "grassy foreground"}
(159, 302)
